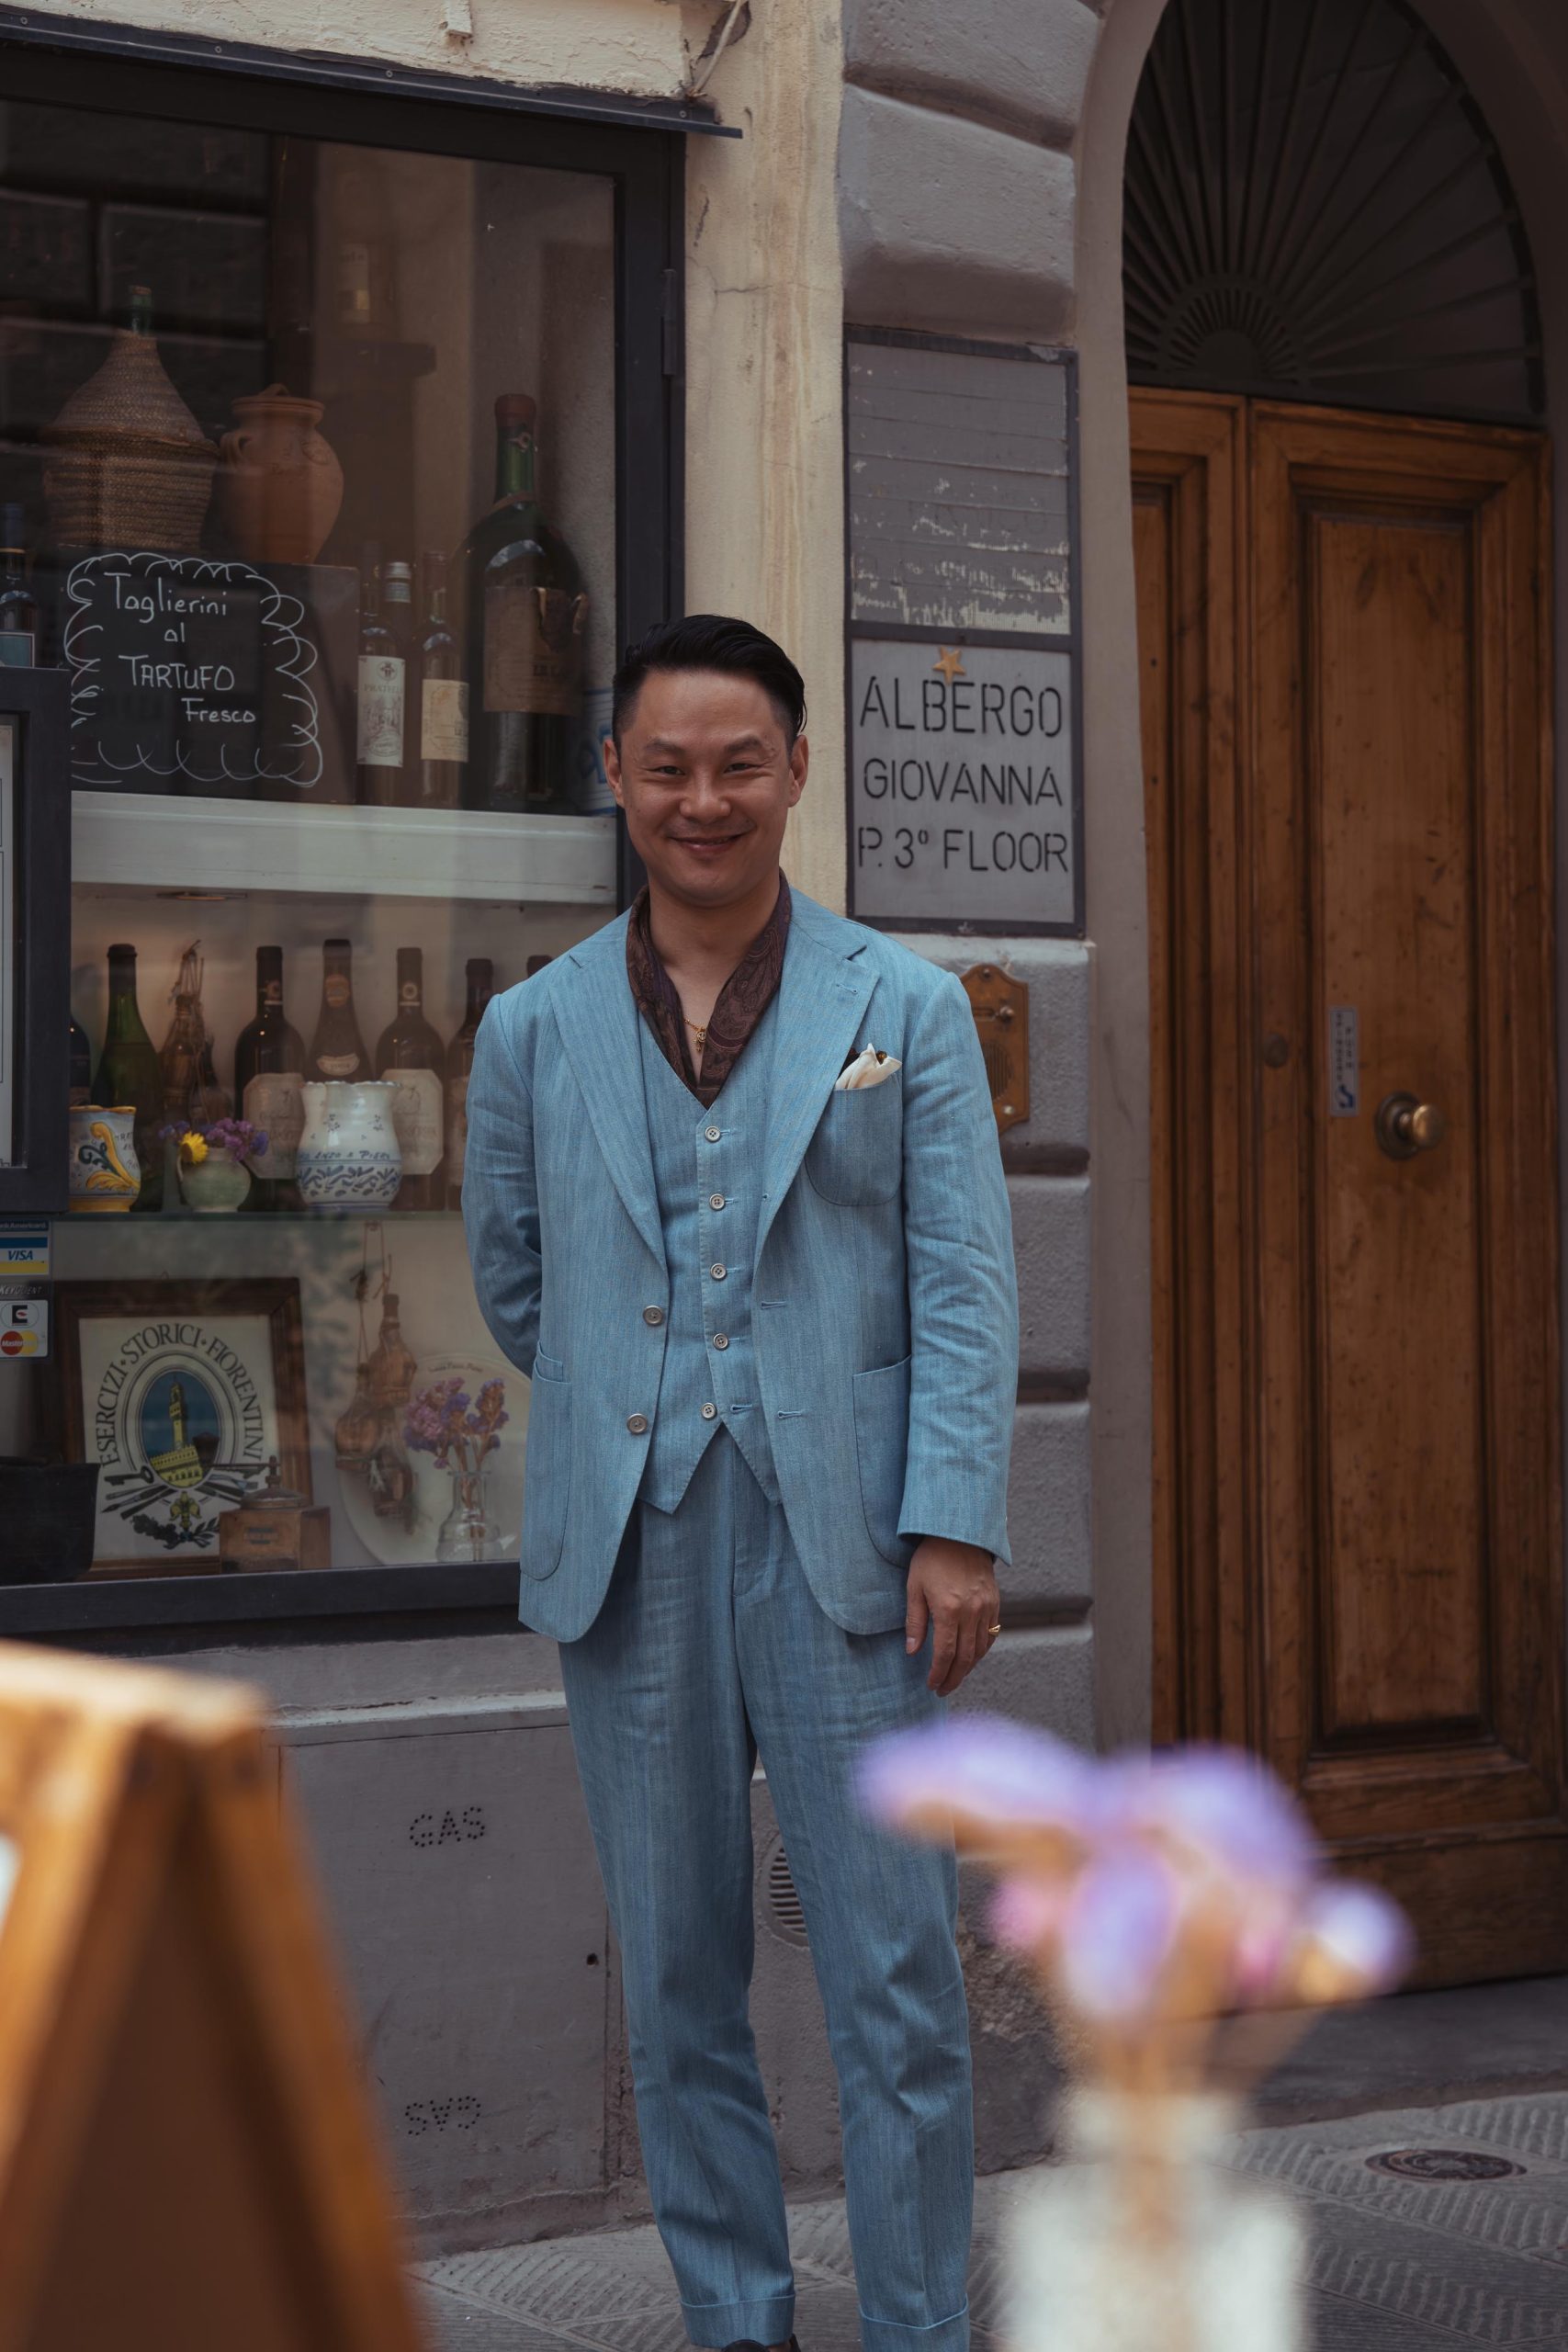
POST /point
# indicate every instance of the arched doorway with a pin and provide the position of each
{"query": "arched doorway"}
(1343, 556)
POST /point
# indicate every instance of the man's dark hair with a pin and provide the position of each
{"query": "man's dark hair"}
(711, 641)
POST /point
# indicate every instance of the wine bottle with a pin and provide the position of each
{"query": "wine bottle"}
(128, 1072)
(269, 1072)
(80, 1065)
(410, 1054)
(443, 697)
(337, 1049)
(527, 611)
(459, 1069)
(18, 607)
(381, 676)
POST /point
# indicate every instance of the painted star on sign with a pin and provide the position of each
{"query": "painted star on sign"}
(950, 661)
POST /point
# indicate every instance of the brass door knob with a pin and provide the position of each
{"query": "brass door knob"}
(1405, 1126)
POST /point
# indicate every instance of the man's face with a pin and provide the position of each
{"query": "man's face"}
(706, 777)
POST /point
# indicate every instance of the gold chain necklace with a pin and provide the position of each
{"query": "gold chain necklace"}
(699, 1031)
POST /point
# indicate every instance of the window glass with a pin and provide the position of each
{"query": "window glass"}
(307, 480)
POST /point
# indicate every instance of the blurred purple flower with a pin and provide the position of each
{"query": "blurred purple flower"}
(982, 1768)
(1356, 1933)
(1151, 1888)
(1224, 1805)
(1118, 1933)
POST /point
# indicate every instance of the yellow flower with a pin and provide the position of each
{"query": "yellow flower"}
(193, 1147)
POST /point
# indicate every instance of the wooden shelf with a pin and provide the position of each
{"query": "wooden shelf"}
(136, 841)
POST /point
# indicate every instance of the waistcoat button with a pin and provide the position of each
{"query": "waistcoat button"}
(713, 1134)
(636, 1423)
(718, 1273)
(710, 1412)
(653, 1316)
(720, 1339)
(716, 1199)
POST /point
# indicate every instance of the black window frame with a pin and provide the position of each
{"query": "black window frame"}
(640, 148)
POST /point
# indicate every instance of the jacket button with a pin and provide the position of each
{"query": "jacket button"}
(636, 1423)
(716, 1199)
(713, 1134)
(720, 1339)
(710, 1412)
(653, 1316)
(718, 1273)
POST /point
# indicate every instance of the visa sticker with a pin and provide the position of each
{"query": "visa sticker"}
(24, 1248)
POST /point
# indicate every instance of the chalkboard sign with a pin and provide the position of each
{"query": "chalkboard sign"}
(187, 2159)
(203, 674)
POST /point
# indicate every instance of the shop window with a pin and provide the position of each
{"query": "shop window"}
(311, 450)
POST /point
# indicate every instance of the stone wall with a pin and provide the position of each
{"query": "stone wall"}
(956, 206)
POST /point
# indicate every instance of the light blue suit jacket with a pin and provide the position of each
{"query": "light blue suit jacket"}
(885, 1309)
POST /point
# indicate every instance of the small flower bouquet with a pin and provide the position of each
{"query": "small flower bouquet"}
(1176, 1912)
(214, 1162)
(237, 1137)
(461, 1433)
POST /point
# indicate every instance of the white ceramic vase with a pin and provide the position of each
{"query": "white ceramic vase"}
(1147, 2236)
(349, 1153)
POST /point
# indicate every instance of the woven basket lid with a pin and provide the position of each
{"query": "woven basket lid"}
(130, 397)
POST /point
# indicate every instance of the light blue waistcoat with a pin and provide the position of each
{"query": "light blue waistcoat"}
(691, 1173)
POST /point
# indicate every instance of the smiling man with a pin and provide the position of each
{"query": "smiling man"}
(734, 1201)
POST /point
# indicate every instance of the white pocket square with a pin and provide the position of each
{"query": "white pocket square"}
(868, 1069)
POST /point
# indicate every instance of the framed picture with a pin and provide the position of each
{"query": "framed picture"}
(183, 1393)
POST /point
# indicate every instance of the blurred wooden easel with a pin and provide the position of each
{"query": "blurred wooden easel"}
(186, 2158)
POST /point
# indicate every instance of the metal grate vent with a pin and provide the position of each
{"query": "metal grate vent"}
(1316, 211)
(1443, 2163)
(782, 1907)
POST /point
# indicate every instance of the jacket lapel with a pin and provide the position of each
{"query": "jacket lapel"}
(598, 1024)
(822, 994)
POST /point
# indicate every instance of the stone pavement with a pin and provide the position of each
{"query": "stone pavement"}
(1431, 2228)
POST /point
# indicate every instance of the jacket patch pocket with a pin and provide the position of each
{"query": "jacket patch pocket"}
(856, 1157)
(548, 1488)
(881, 1445)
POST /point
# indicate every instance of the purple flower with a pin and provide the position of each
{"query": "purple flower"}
(1354, 1941)
(1225, 1808)
(438, 1421)
(981, 1768)
(1119, 1932)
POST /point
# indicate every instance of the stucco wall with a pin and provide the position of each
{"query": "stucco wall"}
(638, 46)
(764, 435)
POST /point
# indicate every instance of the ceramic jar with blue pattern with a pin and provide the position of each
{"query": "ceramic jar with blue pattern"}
(348, 1152)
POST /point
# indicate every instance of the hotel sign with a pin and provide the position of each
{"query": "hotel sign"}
(962, 806)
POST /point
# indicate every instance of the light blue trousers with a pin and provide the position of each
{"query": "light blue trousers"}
(709, 1650)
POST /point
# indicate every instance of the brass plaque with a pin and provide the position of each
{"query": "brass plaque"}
(1001, 1006)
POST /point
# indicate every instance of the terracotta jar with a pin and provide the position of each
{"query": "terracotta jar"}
(280, 484)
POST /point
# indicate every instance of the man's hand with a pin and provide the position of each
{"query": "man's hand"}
(952, 1587)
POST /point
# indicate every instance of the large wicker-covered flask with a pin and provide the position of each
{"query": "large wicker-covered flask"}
(129, 466)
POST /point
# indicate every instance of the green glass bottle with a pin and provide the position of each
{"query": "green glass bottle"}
(128, 1072)
(527, 613)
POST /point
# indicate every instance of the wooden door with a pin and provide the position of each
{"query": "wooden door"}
(1344, 681)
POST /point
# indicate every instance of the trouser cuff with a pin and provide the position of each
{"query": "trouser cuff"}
(715, 2325)
(893, 2335)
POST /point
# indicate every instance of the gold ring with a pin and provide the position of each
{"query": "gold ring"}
(996, 1628)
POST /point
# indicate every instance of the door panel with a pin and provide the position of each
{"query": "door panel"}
(1187, 530)
(1386, 1625)
(1389, 835)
